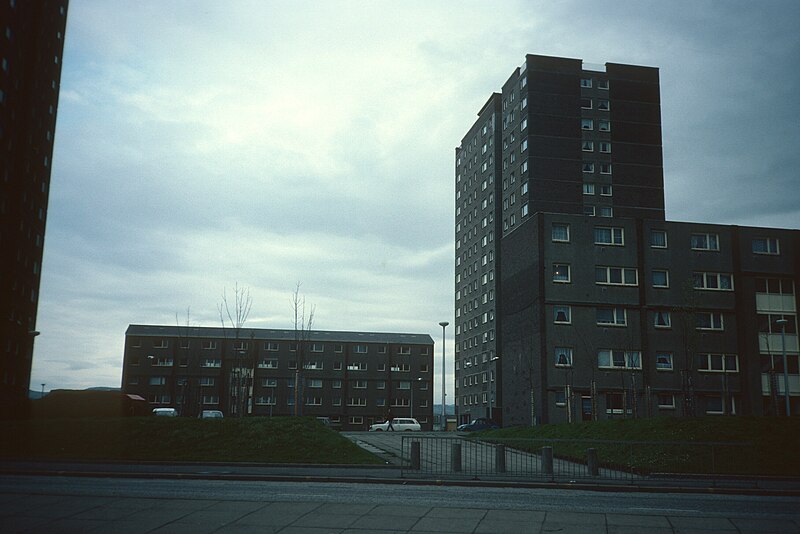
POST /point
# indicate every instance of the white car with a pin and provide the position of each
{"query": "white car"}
(211, 414)
(165, 412)
(399, 424)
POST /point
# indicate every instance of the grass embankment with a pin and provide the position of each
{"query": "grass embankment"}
(264, 440)
(758, 445)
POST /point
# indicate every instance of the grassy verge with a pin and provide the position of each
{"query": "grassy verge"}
(755, 445)
(268, 440)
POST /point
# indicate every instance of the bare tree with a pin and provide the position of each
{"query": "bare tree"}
(233, 316)
(302, 332)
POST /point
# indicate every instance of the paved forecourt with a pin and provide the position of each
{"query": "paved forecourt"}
(121, 515)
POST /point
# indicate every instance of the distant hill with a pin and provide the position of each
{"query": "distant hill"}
(35, 395)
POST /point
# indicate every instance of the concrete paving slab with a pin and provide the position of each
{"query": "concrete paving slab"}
(575, 518)
(515, 516)
(700, 523)
(64, 526)
(212, 518)
(573, 528)
(322, 520)
(268, 518)
(461, 513)
(384, 509)
(16, 524)
(240, 507)
(637, 529)
(446, 524)
(310, 530)
(377, 522)
(649, 521)
(508, 527)
(345, 509)
(766, 525)
(185, 528)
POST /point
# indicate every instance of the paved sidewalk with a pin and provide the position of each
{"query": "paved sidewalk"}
(121, 515)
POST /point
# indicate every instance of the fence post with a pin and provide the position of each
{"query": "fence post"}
(415, 463)
(591, 462)
(547, 460)
(456, 457)
(500, 458)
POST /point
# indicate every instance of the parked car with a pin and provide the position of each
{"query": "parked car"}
(211, 414)
(476, 425)
(165, 412)
(399, 424)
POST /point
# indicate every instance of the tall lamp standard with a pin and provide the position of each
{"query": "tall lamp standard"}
(444, 324)
(783, 322)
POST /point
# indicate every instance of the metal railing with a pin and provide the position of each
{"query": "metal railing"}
(565, 460)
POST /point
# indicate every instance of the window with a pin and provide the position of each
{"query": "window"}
(210, 399)
(660, 278)
(315, 383)
(662, 319)
(616, 403)
(606, 211)
(357, 401)
(588, 211)
(239, 345)
(605, 190)
(586, 103)
(611, 317)
(158, 380)
(563, 356)
(712, 281)
(404, 350)
(560, 233)
(382, 349)
(525, 209)
(184, 343)
(605, 168)
(270, 346)
(765, 245)
(269, 382)
(664, 361)
(401, 367)
(561, 398)
(317, 347)
(658, 238)
(588, 189)
(586, 82)
(312, 365)
(587, 146)
(666, 401)
(208, 345)
(163, 362)
(211, 363)
(709, 321)
(609, 236)
(587, 124)
(603, 105)
(355, 420)
(404, 384)
(380, 384)
(605, 147)
(268, 364)
(357, 366)
(160, 344)
(620, 276)
(561, 273)
(776, 286)
(360, 349)
(587, 167)
(767, 323)
(360, 384)
(562, 314)
(523, 146)
(265, 400)
(619, 359)
(602, 84)
(705, 242)
(718, 363)
(604, 126)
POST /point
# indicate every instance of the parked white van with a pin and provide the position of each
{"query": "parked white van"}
(165, 412)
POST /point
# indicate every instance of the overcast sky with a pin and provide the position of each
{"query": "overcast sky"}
(204, 143)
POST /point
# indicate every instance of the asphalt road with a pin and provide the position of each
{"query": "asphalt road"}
(697, 505)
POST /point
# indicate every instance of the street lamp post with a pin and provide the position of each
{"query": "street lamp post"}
(43, 385)
(444, 324)
(783, 322)
(412, 397)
